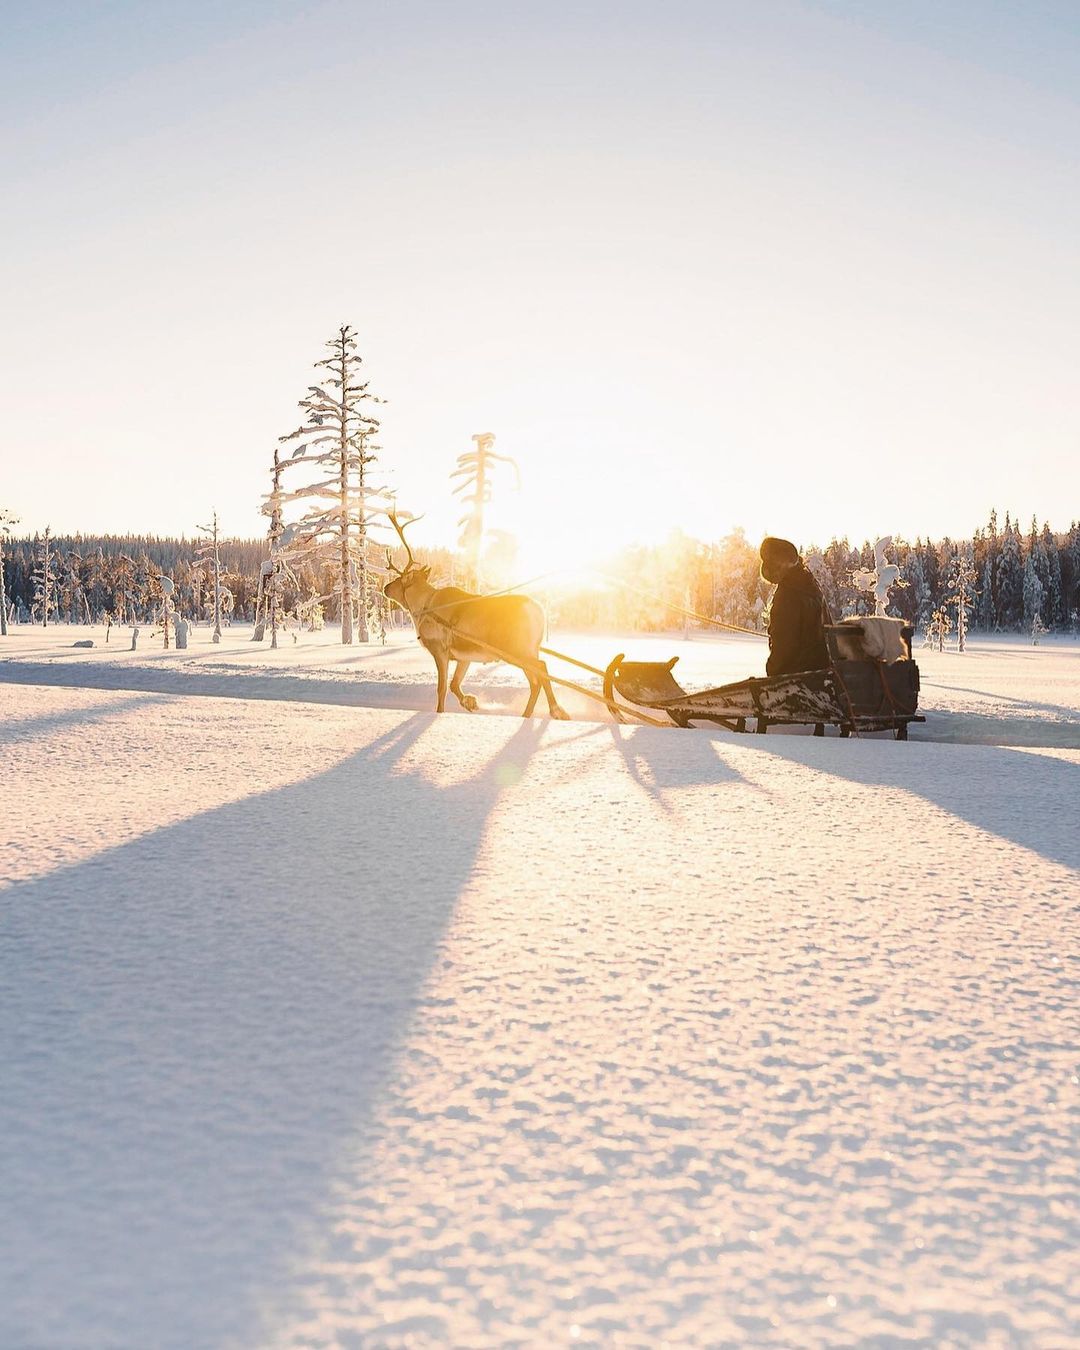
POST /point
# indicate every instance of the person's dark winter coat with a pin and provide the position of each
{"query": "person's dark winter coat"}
(796, 625)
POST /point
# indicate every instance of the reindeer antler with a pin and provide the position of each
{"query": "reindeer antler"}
(390, 563)
(392, 517)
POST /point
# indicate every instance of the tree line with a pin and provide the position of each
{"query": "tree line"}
(99, 578)
(1008, 580)
(1020, 577)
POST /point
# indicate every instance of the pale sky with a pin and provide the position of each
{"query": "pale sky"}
(806, 267)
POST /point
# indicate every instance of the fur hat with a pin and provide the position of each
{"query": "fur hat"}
(783, 550)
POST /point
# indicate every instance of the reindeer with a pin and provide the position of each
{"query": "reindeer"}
(455, 625)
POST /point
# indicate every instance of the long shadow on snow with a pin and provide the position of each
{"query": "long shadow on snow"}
(15, 729)
(1066, 714)
(970, 728)
(403, 695)
(647, 754)
(1019, 795)
(195, 1026)
(1059, 730)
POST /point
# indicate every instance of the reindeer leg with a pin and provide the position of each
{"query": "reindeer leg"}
(441, 664)
(534, 693)
(553, 708)
(466, 700)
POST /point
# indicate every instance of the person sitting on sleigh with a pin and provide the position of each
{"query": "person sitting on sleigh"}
(797, 613)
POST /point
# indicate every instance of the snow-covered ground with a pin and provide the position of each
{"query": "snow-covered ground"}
(324, 1024)
(1002, 691)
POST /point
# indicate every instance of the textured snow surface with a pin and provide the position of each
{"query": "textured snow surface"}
(336, 1026)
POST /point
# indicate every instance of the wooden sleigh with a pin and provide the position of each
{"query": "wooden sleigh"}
(853, 695)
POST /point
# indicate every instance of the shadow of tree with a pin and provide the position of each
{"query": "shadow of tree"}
(1018, 795)
(26, 728)
(1067, 714)
(197, 1023)
(406, 695)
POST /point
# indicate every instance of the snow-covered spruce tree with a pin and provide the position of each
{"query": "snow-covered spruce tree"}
(1033, 594)
(73, 588)
(1009, 579)
(1070, 577)
(208, 556)
(962, 578)
(986, 559)
(938, 629)
(271, 506)
(474, 468)
(1054, 593)
(166, 587)
(985, 610)
(96, 584)
(124, 588)
(6, 522)
(44, 576)
(914, 575)
(275, 570)
(337, 440)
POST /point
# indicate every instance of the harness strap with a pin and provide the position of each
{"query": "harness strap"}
(847, 696)
(887, 691)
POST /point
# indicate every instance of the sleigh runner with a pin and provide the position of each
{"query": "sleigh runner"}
(854, 693)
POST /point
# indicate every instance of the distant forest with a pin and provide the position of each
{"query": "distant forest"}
(1019, 580)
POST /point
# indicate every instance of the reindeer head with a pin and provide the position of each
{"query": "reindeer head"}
(396, 589)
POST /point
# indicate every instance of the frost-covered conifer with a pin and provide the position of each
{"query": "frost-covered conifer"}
(1070, 577)
(1009, 579)
(44, 576)
(208, 556)
(839, 559)
(124, 588)
(985, 613)
(275, 570)
(1049, 549)
(1033, 594)
(962, 578)
(145, 590)
(914, 576)
(6, 522)
(271, 506)
(474, 468)
(166, 587)
(97, 584)
(337, 440)
(73, 588)
(938, 629)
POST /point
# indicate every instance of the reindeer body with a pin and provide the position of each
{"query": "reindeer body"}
(455, 625)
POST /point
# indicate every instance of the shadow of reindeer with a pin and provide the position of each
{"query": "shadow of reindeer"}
(195, 1028)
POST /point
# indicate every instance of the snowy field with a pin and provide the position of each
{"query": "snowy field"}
(328, 1022)
(1002, 691)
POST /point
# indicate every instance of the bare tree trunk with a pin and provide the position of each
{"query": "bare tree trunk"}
(217, 583)
(362, 577)
(260, 611)
(343, 524)
(273, 604)
(346, 577)
(3, 591)
(45, 582)
(478, 509)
